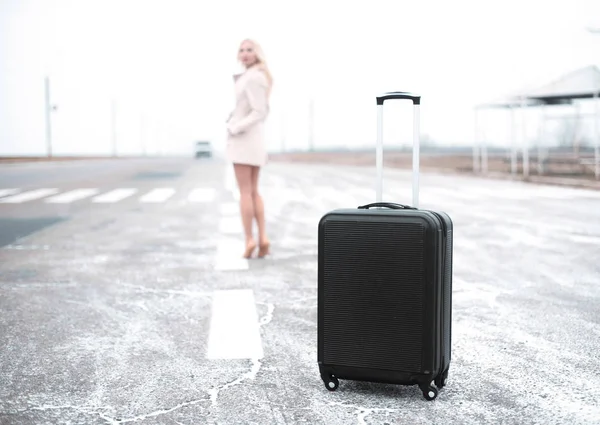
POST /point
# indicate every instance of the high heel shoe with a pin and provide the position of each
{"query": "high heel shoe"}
(263, 249)
(250, 247)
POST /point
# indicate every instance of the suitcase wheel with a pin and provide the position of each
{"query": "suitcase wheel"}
(429, 392)
(331, 382)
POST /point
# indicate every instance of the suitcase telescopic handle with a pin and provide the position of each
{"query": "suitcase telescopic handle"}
(391, 205)
(416, 99)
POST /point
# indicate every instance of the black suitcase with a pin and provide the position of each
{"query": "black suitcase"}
(385, 287)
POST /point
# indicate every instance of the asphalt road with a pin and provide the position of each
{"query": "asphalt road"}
(121, 300)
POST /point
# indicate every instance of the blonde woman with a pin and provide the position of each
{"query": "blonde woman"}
(246, 141)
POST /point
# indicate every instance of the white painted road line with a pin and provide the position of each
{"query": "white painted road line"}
(231, 263)
(329, 194)
(230, 209)
(28, 196)
(234, 330)
(230, 181)
(202, 194)
(6, 192)
(229, 255)
(73, 195)
(158, 195)
(231, 225)
(114, 196)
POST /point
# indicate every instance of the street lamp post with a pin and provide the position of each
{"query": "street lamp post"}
(596, 118)
(476, 146)
(311, 124)
(48, 117)
(113, 126)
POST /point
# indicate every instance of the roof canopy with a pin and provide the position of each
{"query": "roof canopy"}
(583, 83)
(580, 84)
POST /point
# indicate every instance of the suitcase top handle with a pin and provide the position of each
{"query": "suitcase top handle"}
(391, 205)
(416, 99)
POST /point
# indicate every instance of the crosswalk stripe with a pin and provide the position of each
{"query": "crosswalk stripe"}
(158, 195)
(71, 196)
(231, 225)
(329, 194)
(277, 196)
(229, 255)
(115, 195)
(229, 209)
(229, 181)
(234, 331)
(28, 196)
(6, 192)
(202, 194)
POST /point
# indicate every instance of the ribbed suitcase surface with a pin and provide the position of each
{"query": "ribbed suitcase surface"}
(373, 294)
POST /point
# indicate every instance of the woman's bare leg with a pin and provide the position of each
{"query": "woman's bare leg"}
(243, 175)
(259, 214)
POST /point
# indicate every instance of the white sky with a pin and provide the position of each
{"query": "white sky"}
(173, 61)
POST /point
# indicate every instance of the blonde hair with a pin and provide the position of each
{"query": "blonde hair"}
(261, 61)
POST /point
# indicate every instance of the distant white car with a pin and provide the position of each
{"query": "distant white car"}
(203, 149)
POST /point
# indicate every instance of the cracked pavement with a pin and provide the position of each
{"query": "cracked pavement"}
(105, 309)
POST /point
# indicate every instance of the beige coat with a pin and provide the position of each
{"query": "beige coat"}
(246, 123)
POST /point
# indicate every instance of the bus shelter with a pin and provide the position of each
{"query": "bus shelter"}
(577, 85)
